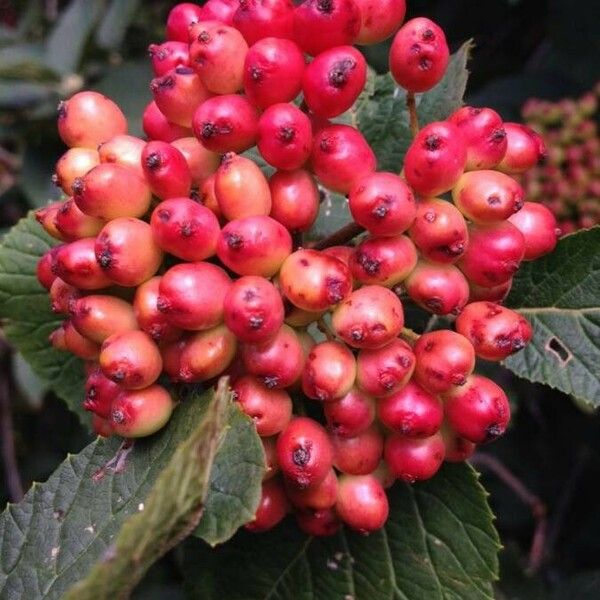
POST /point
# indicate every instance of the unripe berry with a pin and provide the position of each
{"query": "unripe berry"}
(439, 231)
(43, 268)
(538, 225)
(272, 508)
(114, 246)
(414, 459)
(258, 19)
(254, 246)
(444, 359)
(177, 95)
(370, 317)
(75, 162)
(333, 81)
(101, 427)
(100, 316)
(88, 118)
(362, 502)
(191, 295)
(201, 162)
(46, 217)
(383, 260)
(241, 188)
(270, 451)
(351, 414)
(358, 455)
(179, 19)
(419, 55)
(329, 372)
(382, 203)
(74, 224)
(478, 411)
(273, 72)
(76, 264)
(217, 53)
(149, 318)
(62, 295)
(157, 127)
(457, 448)
(169, 55)
(284, 136)
(277, 363)
(386, 370)
(525, 149)
(125, 150)
(220, 10)
(496, 332)
(271, 410)
(166, 170)
(130, 359)
(294, 199)
(139, 413)
(341, 156)
(314, 281)
(321, 496)
(438, 288)
(494, 253)
(304, 452)
(495, 294)
(436, 159)
(110, 191)
(320, 523)
(323, 24)
(484, 134)
(379, 20)
(78, 344)
(100, 393)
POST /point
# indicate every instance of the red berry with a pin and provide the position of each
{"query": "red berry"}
(362, 502)
(272, 508)
(44, 268)
(74, 342)
(101, 427)
(149, 318)
(457, 448)
(351, 414)
(72, 224)
(46, 217)
(495, 294)
(99, 393)
(76, 264)
(358, 455)
(125, 150)
(74, 163)
(165, 57)
(180, 17)
(294, 199)
(157, 127)
(321, 496)
(538, 225)
(201, 162)
(258, 19)
(97, 317)
(62, 295)
(220, 10)
(320, 523)
(525, 149)
(166, 170)
(414, 459)
(379, 19)
(329, 371)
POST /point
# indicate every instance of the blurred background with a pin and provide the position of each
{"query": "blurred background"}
(542, 475)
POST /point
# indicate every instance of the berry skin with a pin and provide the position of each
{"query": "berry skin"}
(46, 217)
(341, 156)
(457, 449)
(220, 10)
(254, 246)
(177, 94)
(253, 309)
(202, 163)
(259, 19)
(100, 393)
(525, 149)
(179, 19)
(304, 452)
(362, 502)
(272, 508)
(185, 229)
(43, 269)
(88, 119)
(329, 372)
(379, 20)
(414, 459)
(148, 317)
(333, 81)
(157, 127)
(101, 427)
(314, 281)
(273, 72)
(383, 260)
(166, 170)
(72, 224)
(494, 254)
(351, 414)
(75, 343)
(131, 359)
(75, 162)
(358, 455)
(110, 191)
(419, 55)
(169, 55)
(277, 363)
(320, 523)
(139, 413)
(436, 159)
(114, 251)
(438, 288)
(386, 370)
(125, 150)
(487, 196)
(370, 317)
(412, 411)
(495, 294)
(538, 225)
(382, 203)
(270, 451)
(439, 231)
(321, 496)
(284, 136)
(496, 332)
(444, 359)
(217, 53)
(191, 295)
(76, 264)
(483, 132)
(478, 411)
(97, 317)
(62, 295)
(323, 24)
(208, 198)
(294, 199)
(241, 188)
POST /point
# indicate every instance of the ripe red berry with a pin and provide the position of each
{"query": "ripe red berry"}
(101, 427)
(157, 127)
(179, 19)
(538, 225)
(495, 294)
(100, 393)
(304, 452)
(100, 316)
(379, 19)
(149, 318)
(46, 217)
(165, 57)
(75, 162)
(44, 268)
(436, 159)
(525, 149)
(76, 264)
(125, 150)
(362, 502)
(419, 55)
(74, 342)
(201, 162)
(329, 371)
(220, 10)
(294, 199)
(272, 508)
(496, 332)
(72, 224)
(62, 295)
(258, 19)
(458, 449)
(414, 459)
(321, 496)
(351, 414)
(358, 455)
(333, 81)
(166, 170)
(320, 523)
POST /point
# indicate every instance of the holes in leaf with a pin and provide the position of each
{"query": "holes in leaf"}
(563, 354)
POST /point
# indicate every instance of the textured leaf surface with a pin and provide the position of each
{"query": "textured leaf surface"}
(439, 543)
(560, 295)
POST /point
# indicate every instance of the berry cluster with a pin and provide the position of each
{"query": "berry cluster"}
(180, 259)
(569, 182)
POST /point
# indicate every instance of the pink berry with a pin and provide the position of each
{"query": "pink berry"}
(414, 459)
(75, 263)
(99, 393)
(157, 127)
(379, 19)
(351, 414)
(165, 57)
(179, 19)
(201, 162)
(258, 19)
(99, 316)
(74, 224)
(74, 163)
(166, 170)
(124, 150)
(362, 502)
(538, 225)
(294, 199)
(148, 317)
(358, 455)
(525, 149)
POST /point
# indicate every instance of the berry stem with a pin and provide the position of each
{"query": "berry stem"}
(411, 104)
(325, 330)
(340, 237)
(409, 335)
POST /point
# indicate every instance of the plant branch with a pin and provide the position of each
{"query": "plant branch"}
(411, 104)
(340, 237)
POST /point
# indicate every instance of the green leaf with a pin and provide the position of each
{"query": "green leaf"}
(113, 27)
(64, 526)
(439, 543)
(22, 95)
(560, 295)
(24, 61)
